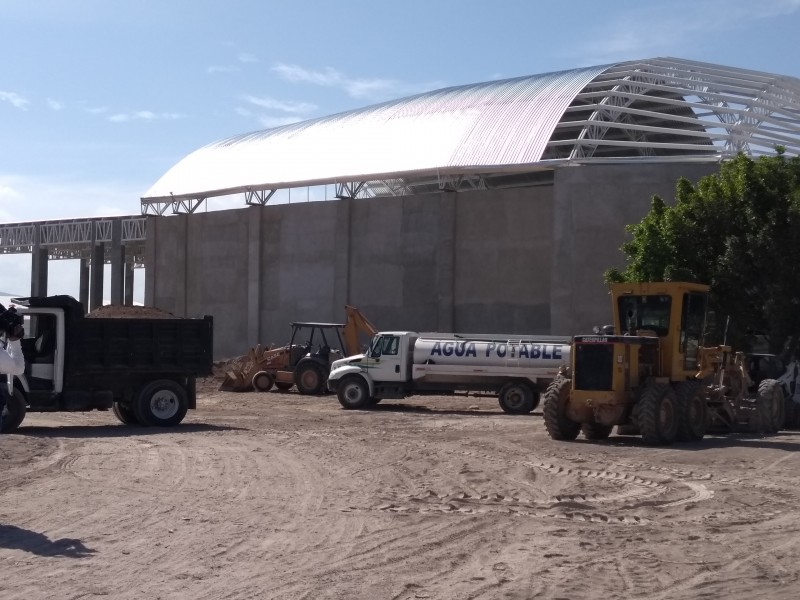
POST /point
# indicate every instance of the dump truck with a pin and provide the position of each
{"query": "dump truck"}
(143, 369)
(305, 361)
(398, 364)
(653, 376)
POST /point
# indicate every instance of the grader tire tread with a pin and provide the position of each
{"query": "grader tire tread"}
(650, 423)
(691, 425)
(558, 425)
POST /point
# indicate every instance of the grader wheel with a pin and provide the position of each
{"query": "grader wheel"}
(769, 410)
(693, 415)
(658, 414)
(559, 426)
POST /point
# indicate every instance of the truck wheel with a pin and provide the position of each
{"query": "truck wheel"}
(14, 412)
(309, 379)
(596, 431)
(124, 413)
(692, 411)
(262, 381)
(162, 402)
(517, 398)
(353, 392)
(658, 414)
(559, 426)
(283, 386)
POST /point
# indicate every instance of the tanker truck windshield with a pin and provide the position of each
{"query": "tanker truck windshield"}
(645, 312)
(384, 345)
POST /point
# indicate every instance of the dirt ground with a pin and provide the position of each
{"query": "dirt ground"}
(291, 497)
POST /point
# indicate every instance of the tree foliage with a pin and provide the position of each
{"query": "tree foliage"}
(738, 231)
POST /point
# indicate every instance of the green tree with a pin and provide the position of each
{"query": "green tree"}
(738, 231)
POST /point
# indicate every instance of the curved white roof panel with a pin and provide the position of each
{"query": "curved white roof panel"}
(657, 109)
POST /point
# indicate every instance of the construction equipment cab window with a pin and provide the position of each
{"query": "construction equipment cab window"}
(693, 315)
(645, 313)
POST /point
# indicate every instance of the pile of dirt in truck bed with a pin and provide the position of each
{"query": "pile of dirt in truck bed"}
(119, 311)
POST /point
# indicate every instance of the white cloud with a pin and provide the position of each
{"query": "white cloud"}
(144, 115)
(246, 57)
(289, 106)
(354, 87)
(14, 100)
(54, 104)
(223, 69)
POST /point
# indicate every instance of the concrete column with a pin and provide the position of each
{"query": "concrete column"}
(117, 262)
(446, 262)
(254, 275)
(128, 268)
(96, 276)
(343, 258)
(83, 292)
(150, 261)
(39, 271)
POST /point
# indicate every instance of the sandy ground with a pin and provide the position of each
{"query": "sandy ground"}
(285, 496)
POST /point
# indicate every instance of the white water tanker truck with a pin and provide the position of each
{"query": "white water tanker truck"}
(399, 364)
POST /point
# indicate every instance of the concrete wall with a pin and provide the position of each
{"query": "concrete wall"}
(524, 260)
(477, 262)
(592, 205)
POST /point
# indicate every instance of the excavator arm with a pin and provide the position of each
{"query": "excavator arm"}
(356, 323)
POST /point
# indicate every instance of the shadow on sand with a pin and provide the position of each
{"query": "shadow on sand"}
(17, 538)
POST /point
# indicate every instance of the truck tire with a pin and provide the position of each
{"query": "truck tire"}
(124, 413)
(353, 392)
(15, 410)
(692, 411)
(658, 415)
(263, 381)
(517, 398)
(559, 426)
(771, 388)
(309, 379)
(162, 402)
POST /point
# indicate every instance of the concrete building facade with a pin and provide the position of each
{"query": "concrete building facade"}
(520, 260)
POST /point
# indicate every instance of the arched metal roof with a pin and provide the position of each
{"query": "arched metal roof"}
(498, 131)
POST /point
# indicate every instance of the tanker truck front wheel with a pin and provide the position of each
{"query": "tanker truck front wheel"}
(353, 392)
(518, 398)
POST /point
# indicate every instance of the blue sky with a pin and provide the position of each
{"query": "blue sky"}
(98, 98)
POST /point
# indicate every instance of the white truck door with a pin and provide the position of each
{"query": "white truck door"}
(388, 358)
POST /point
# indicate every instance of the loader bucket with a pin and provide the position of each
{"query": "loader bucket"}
(239, 376)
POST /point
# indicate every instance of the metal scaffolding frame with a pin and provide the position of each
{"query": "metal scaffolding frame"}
(75, 238)
(490, 134)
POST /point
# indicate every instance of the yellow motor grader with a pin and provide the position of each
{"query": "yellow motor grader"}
(654, 377)
(305, 361)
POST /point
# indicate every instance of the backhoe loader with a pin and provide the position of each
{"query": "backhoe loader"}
(653, 376)
(305, 361)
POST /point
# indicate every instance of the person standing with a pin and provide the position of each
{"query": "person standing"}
(12, 362)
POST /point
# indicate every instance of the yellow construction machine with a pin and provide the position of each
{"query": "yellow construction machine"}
(652, 376)
(305, 361)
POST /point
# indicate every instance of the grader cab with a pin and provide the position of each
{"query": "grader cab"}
(654, 377)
